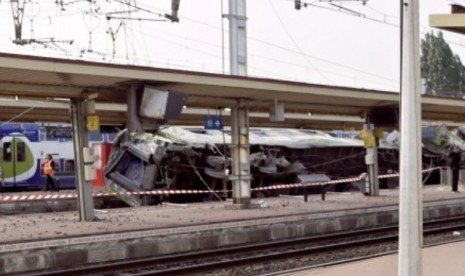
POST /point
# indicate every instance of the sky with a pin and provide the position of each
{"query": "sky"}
(353, 46)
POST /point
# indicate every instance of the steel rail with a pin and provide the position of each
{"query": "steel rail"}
(389, 234)
(304, 268)
(212, 266)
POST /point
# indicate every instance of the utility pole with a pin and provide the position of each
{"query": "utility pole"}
(410, 202)
(237, 37)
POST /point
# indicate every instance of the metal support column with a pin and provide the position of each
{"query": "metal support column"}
(371, 160)
(237, 37)
(410, 198)
(240, 156)
(133, 123)
(80, 140)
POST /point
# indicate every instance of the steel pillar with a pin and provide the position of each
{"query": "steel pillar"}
(80, 140)
(133, 123)
(240, 156)
(237, 37)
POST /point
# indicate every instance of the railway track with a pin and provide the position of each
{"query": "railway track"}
(305, 268)
(211, 260)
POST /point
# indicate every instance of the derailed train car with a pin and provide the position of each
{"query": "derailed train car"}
(196, 159)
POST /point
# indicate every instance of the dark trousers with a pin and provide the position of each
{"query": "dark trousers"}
(50, 183)
(455, 179)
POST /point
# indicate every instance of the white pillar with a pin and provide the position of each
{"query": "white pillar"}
(410, 204)
(133, 123)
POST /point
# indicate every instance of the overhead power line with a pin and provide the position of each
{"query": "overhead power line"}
(133, 13)
(271, 44)
(297, 45)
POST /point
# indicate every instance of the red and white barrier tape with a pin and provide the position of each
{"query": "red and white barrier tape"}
(55, 196)
(391, 175)
(295, 185)
(36, 197)
(338, 181)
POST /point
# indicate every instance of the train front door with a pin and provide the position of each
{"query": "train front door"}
(13, 161)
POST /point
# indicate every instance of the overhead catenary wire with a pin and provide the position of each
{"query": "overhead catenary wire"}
(144, 44)
(267, 71)
(141, 58)
(150, 9)
(274, 45)
(125, 3)
(18, 115)
(381, 21)
(390, 81)
(296, 45)
(253, 54)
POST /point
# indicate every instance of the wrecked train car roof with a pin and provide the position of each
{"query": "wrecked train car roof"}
(290, 138)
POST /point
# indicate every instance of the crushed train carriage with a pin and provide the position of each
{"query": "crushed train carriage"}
(178, 158)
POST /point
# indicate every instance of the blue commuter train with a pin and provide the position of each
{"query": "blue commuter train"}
(23, 147)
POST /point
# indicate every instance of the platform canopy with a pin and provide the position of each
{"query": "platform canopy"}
(36, 88)
(454, 22)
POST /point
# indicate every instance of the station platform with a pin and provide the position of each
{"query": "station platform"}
(438, 260)
(58, 239)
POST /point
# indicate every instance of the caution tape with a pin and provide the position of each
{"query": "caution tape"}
(154, 192)
(297, 185)
(59, 196)
(28, 197)
(331, 182)
(392, 175)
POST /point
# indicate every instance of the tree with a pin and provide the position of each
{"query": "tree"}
(441, 69)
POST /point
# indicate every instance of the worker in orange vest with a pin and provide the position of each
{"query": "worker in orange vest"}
(47, 169)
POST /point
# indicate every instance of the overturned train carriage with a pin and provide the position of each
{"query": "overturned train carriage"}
(195, 159)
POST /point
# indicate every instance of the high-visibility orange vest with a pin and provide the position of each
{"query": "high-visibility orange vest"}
(48, 169)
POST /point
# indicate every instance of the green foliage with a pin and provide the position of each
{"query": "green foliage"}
(441, 69)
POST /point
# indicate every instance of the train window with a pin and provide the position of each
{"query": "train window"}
(111, 137)
(69, 166)
(21, 152)
(57, 165)
(7, 151)
(43, 134)
(95, 136)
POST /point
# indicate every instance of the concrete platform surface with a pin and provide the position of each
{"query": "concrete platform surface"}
(439, 260)
(36, 241)
(62, 224)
